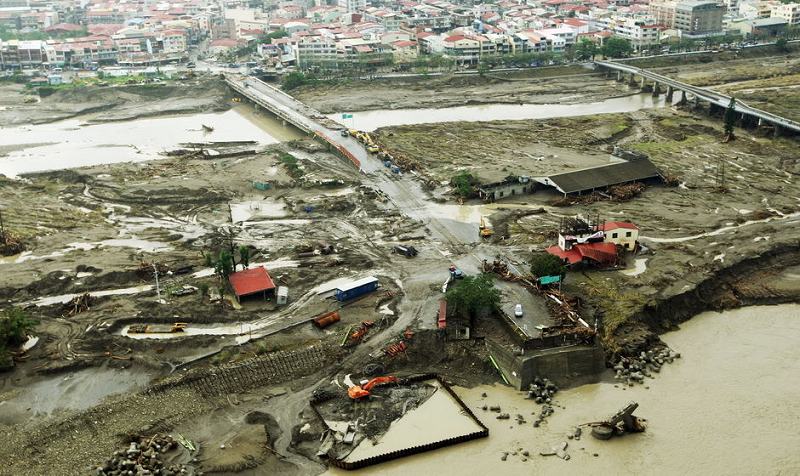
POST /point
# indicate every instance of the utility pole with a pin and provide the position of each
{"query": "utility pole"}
(2, 229)
(158, 289)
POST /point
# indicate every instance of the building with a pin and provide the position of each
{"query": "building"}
(620, 233)
(356, 288)
(640, 33)
(353, 5)
(251, 282)
(580, 242)
(761, 27)
(507, 188)
(602, 177)
(787, 11)
(699, 17)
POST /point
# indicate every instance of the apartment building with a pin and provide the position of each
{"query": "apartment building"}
(787, 11)
(640, 33)
(699, 17)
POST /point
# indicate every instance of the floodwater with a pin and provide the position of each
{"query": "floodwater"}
(73, 143)
(371, 120)
(728, 406)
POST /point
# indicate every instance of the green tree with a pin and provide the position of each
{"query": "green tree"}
(616, 47)
(464, 184)
(267, 38)
(545, 264)
(472, 294)
(294, 80)
(223, 266)
(14, 327)
(585, 49)
(244, 256)
(782, 44)
(730, 119)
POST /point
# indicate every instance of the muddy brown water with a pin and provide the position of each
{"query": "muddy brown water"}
(73, 143)
(728, 406)
(371, 120)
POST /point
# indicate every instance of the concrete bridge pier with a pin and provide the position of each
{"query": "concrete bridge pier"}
(644, 87)
(670, 92)
(656, 89)
(619, 76)
(632, 80)
(683, 100)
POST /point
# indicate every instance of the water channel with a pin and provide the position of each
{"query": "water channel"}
(728, 406)
(371, 120)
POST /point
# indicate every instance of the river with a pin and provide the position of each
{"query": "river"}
(728, 406)
(371, 120)
(73, 143)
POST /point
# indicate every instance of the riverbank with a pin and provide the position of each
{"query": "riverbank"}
(704, 416)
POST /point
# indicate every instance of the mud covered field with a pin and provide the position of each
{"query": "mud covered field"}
(238, 380)
(19, 105)
(733, 201)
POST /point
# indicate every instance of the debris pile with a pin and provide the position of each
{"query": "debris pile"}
(10, 244)
(635, 369)
(143, 456)
(620, 423)
(541, 391)
(77, 305)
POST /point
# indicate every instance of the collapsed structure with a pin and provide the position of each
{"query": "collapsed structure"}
(597, 244)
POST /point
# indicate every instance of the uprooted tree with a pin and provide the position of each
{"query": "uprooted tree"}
(10, 244)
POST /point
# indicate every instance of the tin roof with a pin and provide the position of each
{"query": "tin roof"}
(613, 225)
(603, 176)
(251, 281)
(357, 283)
(603, 253)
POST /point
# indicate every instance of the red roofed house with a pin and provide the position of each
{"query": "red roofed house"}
(251, 281)
(581, 242)
(620, 233)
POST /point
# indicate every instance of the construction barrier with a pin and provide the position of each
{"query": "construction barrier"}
(482, 433)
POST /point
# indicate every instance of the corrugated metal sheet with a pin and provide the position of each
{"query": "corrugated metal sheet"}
(601, 177)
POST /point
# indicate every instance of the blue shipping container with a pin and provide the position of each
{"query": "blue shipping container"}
(356, 289)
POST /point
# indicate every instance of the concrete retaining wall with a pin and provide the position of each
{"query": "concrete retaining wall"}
(563, 365)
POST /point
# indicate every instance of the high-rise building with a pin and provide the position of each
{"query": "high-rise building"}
(788, 11)
(699, 17)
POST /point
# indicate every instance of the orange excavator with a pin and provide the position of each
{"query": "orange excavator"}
(357, 392)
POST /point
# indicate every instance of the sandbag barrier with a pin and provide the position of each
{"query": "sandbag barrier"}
(483, 433)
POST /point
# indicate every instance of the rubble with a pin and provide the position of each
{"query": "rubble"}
(144, 456)
(636, 369)
(76, 305)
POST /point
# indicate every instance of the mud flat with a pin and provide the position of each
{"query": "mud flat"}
(704, 415)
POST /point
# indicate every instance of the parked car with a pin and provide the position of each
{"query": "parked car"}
(518, 310)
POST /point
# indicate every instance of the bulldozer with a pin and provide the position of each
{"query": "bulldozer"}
(358, 392)
(484, 230)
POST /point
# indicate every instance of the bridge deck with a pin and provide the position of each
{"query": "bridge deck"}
(704, 94)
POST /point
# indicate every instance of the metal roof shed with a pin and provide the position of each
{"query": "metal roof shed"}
(594, 178)
(251, 281)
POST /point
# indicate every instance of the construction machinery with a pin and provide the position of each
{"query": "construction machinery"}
(484, 230)
(157, 329)
(358, 392)
(361, 331)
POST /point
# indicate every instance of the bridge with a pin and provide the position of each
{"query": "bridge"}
(303, 117)
(749, 116)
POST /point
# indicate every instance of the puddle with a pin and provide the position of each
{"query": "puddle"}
(244, 211)
(639, 267)
(371, 120)
(75, 391)
(64, 298)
